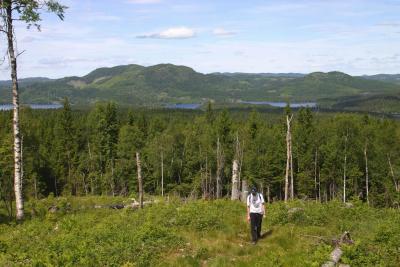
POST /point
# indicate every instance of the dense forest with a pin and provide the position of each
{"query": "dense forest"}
(93, 152)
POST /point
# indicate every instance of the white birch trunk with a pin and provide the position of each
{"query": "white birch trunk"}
(219, 170)
(140, 179)
(235, 181)
(315, 175)
(245, 191)
(291, 168)
(396, 185)
(162, 173)
(19, 201)
(366, 174)
(344, 168)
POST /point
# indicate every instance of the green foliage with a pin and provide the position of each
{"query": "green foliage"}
(196, 233)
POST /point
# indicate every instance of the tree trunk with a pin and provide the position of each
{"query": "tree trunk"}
(319, 185)
(91, 169)
(219, 170)
(162, 173)
(291, 168)
(366, 174)
(235, 181)
(140, 179)
(287, 157)
(344, 167)
(19, 201)
(112, 183)
(268, 194)
(245, 191)
(315, 174)
(396, 185)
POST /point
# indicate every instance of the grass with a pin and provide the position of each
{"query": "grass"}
(199, 233)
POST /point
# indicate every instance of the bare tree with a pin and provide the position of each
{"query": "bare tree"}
(140, 179)
(235, 180)
(162, 173)
(396, 183)
(315, 174)
(366, 173)
(346, 137)
(289, 164)
(236, 171)
(220, 166)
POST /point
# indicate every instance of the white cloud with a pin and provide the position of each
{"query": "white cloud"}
(222, 32)
(144, 1)
(171, 33)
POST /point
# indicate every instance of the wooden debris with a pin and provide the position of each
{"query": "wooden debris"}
(336, 254)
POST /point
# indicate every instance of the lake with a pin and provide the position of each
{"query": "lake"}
(184, 106)
(281, 104)
(32, 106)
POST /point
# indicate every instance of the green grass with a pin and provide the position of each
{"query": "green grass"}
(199, 233)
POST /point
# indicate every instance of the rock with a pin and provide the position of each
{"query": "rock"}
(336, 254)
(294, 210)
(117, 206)
(328, 264)
(349, 205)
(53, 209)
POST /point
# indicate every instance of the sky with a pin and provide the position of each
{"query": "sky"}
(353, 36)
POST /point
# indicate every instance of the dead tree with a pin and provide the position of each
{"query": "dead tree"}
(345, 165)
(396, 184)
(289, 164)
(220, 167)
(162, 173)
(245, 191)
(235, 180)
(315, 174)
(140, 179)
(236, 171)
(366, 173)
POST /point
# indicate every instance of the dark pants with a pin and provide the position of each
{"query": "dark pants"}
(255, 226)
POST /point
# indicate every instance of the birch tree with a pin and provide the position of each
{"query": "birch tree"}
(27, 11)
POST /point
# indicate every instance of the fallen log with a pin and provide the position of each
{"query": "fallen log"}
(132, 205)
(336, 254)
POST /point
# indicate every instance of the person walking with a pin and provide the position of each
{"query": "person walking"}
(255, 213)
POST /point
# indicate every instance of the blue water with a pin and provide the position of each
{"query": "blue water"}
(32, 106)
(184, 106)
(282, 104)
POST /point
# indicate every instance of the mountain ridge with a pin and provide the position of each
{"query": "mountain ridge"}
(156, 85)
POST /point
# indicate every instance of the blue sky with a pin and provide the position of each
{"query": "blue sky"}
(353, 36)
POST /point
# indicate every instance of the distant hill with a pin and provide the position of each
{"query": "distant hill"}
(392, 78)
(26, 81)
(268, 75)
(166, 83)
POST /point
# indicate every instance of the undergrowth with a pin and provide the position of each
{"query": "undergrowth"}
(199, 233)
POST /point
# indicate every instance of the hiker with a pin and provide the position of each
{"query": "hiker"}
(255, 213)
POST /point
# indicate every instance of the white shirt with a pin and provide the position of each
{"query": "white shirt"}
(255, 203)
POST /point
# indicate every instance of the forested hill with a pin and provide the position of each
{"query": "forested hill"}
(167, 83)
